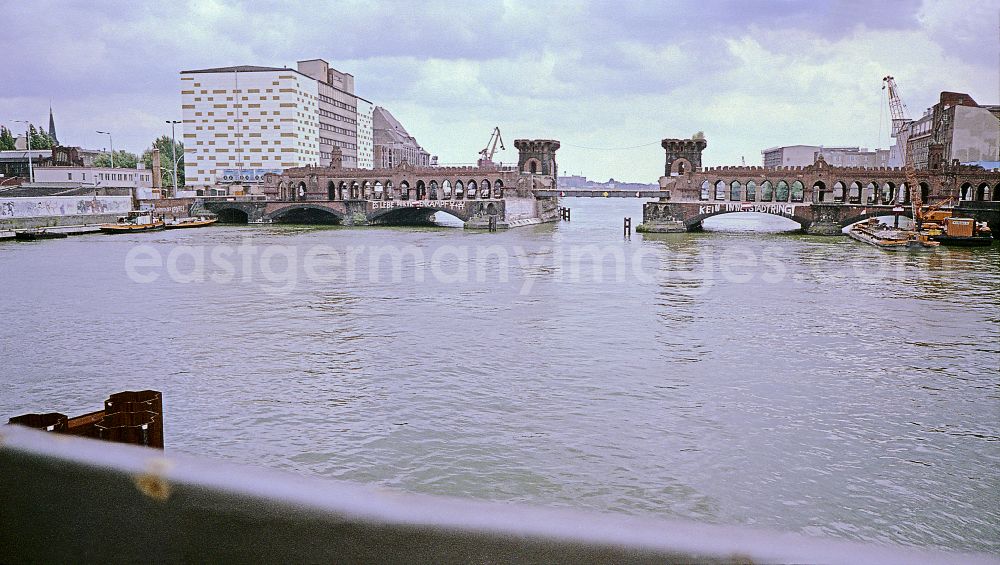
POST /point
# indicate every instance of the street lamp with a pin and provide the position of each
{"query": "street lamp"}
(173, 152)
(112, 144)
(27, 136)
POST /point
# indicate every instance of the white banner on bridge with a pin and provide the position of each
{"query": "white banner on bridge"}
(389, 204)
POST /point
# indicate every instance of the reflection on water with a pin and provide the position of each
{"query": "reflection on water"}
(781, 380)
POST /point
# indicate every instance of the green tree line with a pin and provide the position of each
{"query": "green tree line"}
(39, 139)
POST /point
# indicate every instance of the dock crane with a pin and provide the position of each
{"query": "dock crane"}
(486, 153)
(899, 120)
(896, 107)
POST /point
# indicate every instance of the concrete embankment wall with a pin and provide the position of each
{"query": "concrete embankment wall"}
(519, 208)
(45, 211)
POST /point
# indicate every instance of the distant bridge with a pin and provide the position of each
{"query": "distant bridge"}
(599, 193)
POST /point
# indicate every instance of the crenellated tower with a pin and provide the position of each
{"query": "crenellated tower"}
(537, 156)
(683, 155)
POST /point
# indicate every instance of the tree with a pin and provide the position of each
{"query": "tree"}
(123, 160)
(6, 139)
(166, 168)
(39, 139)
(699, 135)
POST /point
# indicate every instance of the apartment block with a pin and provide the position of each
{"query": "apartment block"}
(241, 122)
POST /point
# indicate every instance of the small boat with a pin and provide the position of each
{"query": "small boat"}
(889, 238)
(135, 221)
(196, 222)
(36, 234)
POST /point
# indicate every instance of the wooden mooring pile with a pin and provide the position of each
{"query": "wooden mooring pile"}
(134, 417)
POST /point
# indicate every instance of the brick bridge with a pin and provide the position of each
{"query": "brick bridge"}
(406, 194)
(821, 198)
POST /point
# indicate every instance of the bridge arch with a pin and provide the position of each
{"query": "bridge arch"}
(781, 191)
(766, 191)
(484, 188)
(874, 213)
(751, 191)
(780, 210)
(705, 189)
(331, 191)
(839, 192)
(735, 191)
(996, 193)
(888, 194)
(305, 214)
(403, 215)
(798, 191)
(498, 188)
(854, 193)
(965, 193)
(433, 190)
(870, 193)
(680, 167)
(459, 190)
(983, 192)
(819, 191)
(232, 216)
(446, 189)
(470, 190)
(533, 166)
(720, 190)
(903, 193)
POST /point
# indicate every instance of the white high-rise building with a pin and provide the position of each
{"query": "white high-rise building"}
(366, 135)
(241, 122)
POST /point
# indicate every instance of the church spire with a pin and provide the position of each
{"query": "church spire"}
(52, 127)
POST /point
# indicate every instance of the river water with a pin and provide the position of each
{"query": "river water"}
(735, 376)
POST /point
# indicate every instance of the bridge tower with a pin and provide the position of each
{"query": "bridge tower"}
(537, 156)
(683, 155)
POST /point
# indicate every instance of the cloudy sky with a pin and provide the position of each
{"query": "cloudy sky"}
(607, 79)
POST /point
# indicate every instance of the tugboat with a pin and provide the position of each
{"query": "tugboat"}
(196, 222)
(884, 236)
(135, 221)
(36, 234)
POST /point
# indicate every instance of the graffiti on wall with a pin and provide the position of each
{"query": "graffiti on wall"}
(31, 207)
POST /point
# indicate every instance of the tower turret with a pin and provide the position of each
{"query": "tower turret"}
(683, 155)
(537, 156)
